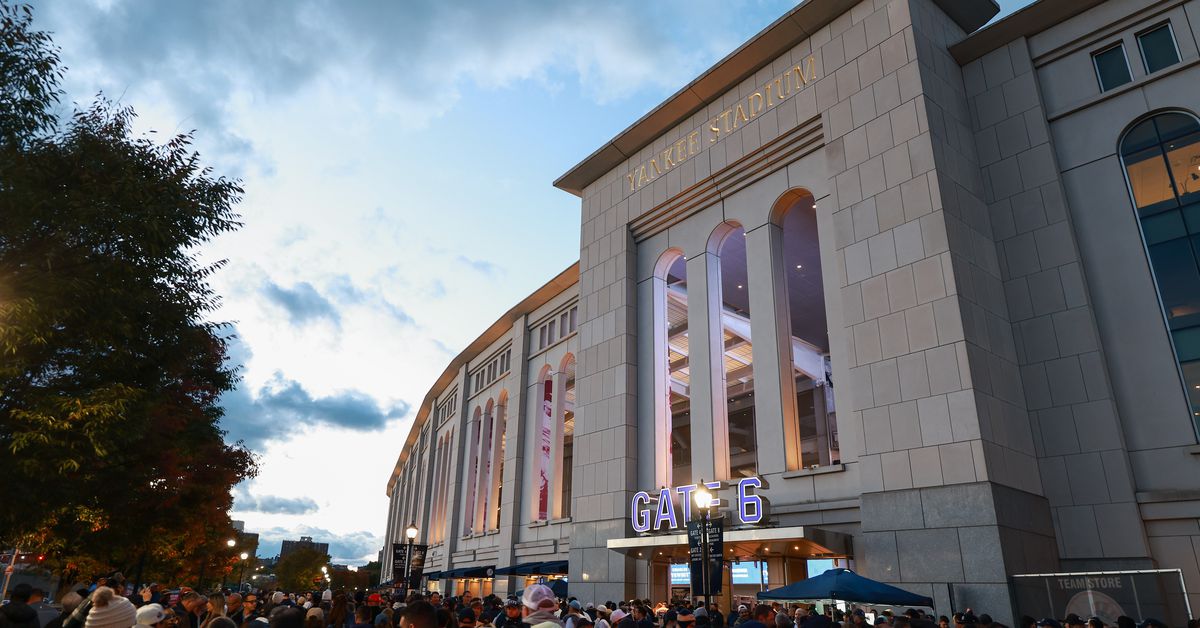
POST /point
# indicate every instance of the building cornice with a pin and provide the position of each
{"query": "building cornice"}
(785, 33)
(1030, 20)
(563, 281)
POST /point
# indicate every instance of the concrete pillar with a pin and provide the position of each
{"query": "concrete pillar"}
(776, 430)
(710, 429)
(654, 411)
(557, 444)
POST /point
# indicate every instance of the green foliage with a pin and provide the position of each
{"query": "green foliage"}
(110, 370)
(295, 572)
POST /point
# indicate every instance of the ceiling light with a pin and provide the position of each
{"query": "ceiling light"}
(739, 286)
(799, 266)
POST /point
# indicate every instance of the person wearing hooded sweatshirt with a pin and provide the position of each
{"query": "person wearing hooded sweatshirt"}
(110, 610)
(540, 607)
(18, 613)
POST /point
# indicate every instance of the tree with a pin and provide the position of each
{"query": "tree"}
(296, 571)
(110, 369)
(372, 569)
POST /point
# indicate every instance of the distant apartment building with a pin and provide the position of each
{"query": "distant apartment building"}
(305, 542)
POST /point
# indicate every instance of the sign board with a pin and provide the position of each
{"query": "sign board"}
(671, 508)
(1157, 594)
(418, 566)
(399, 561)
(706, 583)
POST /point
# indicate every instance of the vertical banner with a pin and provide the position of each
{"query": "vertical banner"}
(418, 567)
(706, 583)
(547, 438)
(399, 560)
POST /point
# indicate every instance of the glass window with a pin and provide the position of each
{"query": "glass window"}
(1162, 160)
(574, 312)
(678, 375)
(816, 413)
(562, 324)
(1158, 48)
(542, 337)
(737, 359)
(568, 447)
(1112, 68)
(550, 333)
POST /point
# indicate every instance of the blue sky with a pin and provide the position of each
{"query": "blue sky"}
(397, 159)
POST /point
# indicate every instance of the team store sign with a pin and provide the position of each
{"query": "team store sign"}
(645, 514)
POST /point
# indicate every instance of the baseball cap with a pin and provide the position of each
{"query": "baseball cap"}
(150, 614)
(617, 616)
(576, 605)
(512, 602)
(1073, 620)
(1049, 621)
(539, 596)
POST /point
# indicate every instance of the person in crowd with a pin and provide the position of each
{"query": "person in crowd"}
(466, 617)
(539, 607)
(285, 617)
(602, 614)
(109, 610)
(19, 613)
(221, 621)
(418, 614)
(574, 611)
(510, 617)
(362, 617)
(233, 608)
(45, 612)
(188, 607)
(641, 615)
(585, 622)
(70, 601)
(151, 615)
(314, 618)
(215, 608)
(685, 618)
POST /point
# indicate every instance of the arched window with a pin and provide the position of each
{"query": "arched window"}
(673, 383)
(483, 482)
(472, 451)
(545, 440)
(568, 433)
(815, 411)
(1162, 161)
(737, 356)
(498, 448)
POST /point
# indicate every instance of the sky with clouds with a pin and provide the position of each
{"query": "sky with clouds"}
(397, 159)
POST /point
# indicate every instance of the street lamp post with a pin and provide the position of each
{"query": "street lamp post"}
(704, 500)
(230, 543)
(242, 571)
(411, 533)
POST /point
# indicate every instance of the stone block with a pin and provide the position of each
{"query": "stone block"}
(958, 463)
(1085, 474)
(922, 332)
(928, 279)
(914, 376)
(930, 555)
(943, 369)
(885, 381)
(906, 426)
(877, 430)
(893, 510)
(901, 289)
(893, 335)
(878, 558)
(926, 466)
(896, 471)
(910, 245)
(875, 297)
(934, 413)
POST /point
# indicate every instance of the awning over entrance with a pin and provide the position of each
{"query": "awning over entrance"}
(792, 542)
(550, 568)
(469, 572)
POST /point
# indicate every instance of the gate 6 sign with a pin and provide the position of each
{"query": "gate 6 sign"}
(661, 512)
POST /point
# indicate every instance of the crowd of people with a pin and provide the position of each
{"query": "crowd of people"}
(115, 605)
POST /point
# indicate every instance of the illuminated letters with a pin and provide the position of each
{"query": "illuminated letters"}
(750, 506)
(777, 90)
(641, 514)
(666, 510)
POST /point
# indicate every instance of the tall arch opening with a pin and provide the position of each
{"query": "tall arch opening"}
(737, 351)
(815, 419)
(498, 449)
(673, 407)
(1161, 157)
(567, 368)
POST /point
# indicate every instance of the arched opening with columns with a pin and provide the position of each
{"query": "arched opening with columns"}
(1161, 158)
(728, 242)
(496, 483)
(483, 480)
(812, 428)
(544, 435)
(672, 382)
(470, 481)
(567, 368)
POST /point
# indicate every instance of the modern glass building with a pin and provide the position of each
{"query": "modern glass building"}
(912, 294)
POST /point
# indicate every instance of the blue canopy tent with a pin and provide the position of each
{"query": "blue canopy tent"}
(559, 587)
(847, 586)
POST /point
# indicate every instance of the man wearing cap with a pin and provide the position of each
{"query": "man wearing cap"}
(540, 607)
(1073, 621)
(510, 617)
(574, 611)
(466, 617)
